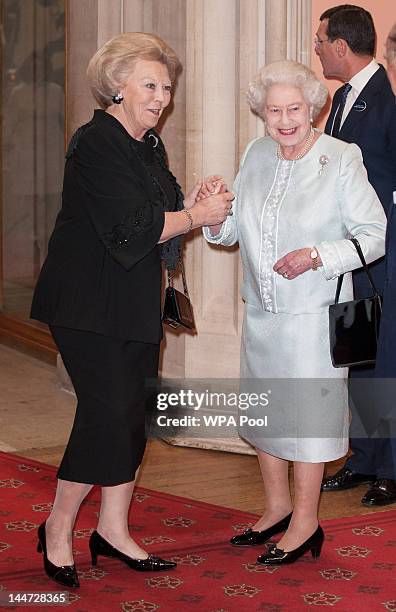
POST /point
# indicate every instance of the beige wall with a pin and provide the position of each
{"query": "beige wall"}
(384, 15)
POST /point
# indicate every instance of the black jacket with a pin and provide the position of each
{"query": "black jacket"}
(103, 269)
(371, 124)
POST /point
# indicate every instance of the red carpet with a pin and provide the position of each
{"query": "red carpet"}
(356, 571)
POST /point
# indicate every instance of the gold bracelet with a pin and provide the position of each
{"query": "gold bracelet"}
(190, 219)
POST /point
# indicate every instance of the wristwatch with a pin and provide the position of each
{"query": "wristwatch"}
(314, 258)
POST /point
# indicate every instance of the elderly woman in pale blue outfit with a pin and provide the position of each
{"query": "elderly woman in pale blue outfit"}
(299, 196)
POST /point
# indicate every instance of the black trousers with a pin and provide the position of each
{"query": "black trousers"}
(109, 375)
(370, 441)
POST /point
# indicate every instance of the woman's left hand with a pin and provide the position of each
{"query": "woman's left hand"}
(294, 263)
(211, 185)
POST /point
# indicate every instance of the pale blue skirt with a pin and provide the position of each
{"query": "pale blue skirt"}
(288, 357)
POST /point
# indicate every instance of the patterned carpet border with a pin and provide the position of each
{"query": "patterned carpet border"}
(356, 571)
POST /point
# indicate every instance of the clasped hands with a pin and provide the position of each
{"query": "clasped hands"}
(211, 199)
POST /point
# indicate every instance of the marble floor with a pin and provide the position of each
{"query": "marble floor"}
(35, 420)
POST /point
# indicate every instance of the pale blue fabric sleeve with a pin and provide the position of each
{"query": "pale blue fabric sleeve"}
(362, 215)
(228, 234)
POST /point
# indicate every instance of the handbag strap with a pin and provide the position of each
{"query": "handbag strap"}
(170, 277)
(365, 266)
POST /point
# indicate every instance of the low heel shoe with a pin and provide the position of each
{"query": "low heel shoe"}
(66, 575)
(277, 556)
(253, 538)
(99, 546)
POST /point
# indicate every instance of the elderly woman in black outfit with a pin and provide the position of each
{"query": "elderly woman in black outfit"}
(99, 290)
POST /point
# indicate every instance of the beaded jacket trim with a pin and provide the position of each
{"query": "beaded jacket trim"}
(133, 226)
(268, 233)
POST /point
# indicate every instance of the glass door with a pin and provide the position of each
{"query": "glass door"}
(32, 150)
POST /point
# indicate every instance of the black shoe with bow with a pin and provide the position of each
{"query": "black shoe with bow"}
(99, 546)
(252, 538)
(277, 556)
(63, 574)
(381, 493)
(345, 479)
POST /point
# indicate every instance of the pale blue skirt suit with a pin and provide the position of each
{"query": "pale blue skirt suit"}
(280, 206)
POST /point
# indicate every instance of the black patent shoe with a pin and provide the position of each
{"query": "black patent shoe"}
(345, 479)
(252, 538)
(99, 546)
(277, 556)
(63, 574)
(381, 493)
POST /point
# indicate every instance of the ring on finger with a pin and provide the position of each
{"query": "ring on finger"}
(285, 275)
(230, 212)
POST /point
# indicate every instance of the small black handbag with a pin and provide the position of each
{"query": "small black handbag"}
(354, 326)
(177, 309)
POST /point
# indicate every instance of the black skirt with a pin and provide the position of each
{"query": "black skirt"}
(109, 375)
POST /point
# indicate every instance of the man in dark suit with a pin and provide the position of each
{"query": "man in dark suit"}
(364, 112)
(386, 353)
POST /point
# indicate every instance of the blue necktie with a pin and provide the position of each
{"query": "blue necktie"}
(337, 121)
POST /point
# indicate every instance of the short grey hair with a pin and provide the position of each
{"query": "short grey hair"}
(391, 45)
(287, 72)
(113, 63)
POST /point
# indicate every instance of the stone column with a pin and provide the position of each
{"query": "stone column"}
(299, 35)
(169, 22)
(252, 54)
(212, 112)
(81, 44)
(137, 15)
(211, 66)
(110, 18)
(276, 30)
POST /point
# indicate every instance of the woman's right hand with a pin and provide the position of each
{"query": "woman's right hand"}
(211, 211)
(214, 209)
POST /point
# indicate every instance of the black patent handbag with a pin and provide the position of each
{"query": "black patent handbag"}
(354, 325)
(177, 310)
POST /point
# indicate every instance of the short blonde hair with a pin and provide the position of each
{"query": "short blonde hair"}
(391, 45)
(287, 72)
(112, 64)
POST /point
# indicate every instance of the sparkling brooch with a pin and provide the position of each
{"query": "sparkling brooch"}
(323, 160)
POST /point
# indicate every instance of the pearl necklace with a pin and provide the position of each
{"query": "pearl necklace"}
(306, 147)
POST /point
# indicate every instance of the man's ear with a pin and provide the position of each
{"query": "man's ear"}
(341, 47)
